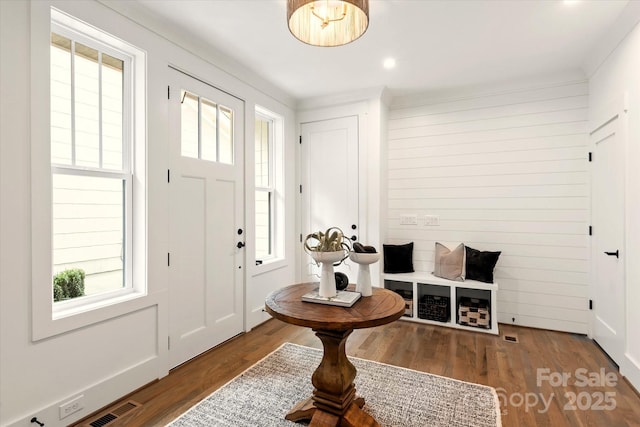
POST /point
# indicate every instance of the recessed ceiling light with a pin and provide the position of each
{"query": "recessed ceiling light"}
(389, 63)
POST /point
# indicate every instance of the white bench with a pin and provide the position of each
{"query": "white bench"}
(424, 283)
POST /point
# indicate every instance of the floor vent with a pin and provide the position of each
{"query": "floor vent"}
(510, 338)
(113, 414)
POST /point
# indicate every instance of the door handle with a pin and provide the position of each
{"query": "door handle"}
(240, 245)
(616, 253)
(354, 237)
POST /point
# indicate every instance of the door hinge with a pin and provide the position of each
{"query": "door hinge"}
(590, 156)
(168, 343)
(300, 139)
(300, 237)
(168, 175)
(590, 304)
(168, 92)
(300, 188)
(590, 231)
(168, 259)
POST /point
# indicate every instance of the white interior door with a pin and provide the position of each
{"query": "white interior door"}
(608, 237)
(329, 183)
(206, 215)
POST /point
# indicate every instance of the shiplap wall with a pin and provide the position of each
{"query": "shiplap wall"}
(505, 172)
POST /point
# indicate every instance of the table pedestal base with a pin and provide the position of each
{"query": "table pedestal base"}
(334, 401)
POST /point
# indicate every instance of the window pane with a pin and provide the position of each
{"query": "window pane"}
(208, 123)
(60, 100)
(88, 230)
(263, 148)
(189, 125)
(225, 135)
(112, 110)
(263, 224)
(87, 106)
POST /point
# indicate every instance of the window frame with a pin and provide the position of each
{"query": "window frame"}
(125, 174)
(275, 189)
(50, 318)
(270, 188)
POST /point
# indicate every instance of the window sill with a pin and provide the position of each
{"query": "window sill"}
(268, 265)
(68, 319)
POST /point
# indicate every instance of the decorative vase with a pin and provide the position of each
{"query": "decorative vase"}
(364, 275)
(327, 278)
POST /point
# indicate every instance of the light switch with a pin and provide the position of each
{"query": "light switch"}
(409, 219)
(431, 220)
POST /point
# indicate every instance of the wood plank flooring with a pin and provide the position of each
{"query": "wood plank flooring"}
(516, 370)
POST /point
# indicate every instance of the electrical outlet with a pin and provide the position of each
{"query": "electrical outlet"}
(430, 220)
(409, 219)
(72, 406)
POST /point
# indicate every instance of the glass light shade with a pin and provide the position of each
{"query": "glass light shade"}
(327, 22)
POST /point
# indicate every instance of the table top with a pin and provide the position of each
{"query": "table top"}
(285, 304)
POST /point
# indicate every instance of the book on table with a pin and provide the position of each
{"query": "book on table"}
(342, 298)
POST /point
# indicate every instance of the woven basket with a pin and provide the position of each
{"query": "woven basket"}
(433, 307)
(474, 312)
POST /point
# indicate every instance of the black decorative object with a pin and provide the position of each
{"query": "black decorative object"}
(480, 264)
(398, 258)
(342, 281)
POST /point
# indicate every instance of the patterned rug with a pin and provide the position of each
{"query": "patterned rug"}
(396, 397)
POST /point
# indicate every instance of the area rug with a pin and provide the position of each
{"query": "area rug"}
(396, 397)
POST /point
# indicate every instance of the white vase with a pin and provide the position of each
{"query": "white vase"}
(327, 278)
(364, 275)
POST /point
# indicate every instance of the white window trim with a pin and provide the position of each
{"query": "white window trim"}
(277, 258)
(48, 321)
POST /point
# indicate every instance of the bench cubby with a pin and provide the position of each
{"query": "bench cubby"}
(417, 285)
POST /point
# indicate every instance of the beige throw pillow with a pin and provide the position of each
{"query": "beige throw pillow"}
(449, 264)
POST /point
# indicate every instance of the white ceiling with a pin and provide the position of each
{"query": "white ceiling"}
(438, 44)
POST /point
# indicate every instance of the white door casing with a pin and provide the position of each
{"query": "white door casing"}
(329, 173)
(608, 256)
(206, 198)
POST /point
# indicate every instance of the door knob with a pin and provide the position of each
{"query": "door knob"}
(240, 245)
(616, 253)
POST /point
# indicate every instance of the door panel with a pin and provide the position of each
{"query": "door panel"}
(330, 182)
(206, 297)
(608, 237)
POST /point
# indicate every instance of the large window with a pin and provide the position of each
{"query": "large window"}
(268, 184)
(91, 172)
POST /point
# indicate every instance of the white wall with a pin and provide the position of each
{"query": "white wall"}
(109, 358)
(613, 79)
(505, 169)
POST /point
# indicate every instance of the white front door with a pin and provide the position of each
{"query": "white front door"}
(608, 236)
(206, 279)
(329, 183)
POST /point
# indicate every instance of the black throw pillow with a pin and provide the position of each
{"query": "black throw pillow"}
(398, 258)
(480, 264)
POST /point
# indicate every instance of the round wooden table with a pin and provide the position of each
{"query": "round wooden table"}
(334, 401)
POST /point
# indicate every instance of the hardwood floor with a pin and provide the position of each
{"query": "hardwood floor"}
(527, 374)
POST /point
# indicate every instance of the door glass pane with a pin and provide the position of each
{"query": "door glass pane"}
(88, 231)
(225, 135)
(262, 156)
(60, 100)
(263, 224)
(112, 110)
(87, 105)
(208, 142)
(189, 125)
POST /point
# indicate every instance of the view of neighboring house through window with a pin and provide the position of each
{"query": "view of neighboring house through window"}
(90, 162)
(207, 129)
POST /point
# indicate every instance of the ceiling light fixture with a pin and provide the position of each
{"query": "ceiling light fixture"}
(389, 63)
(327, 22)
